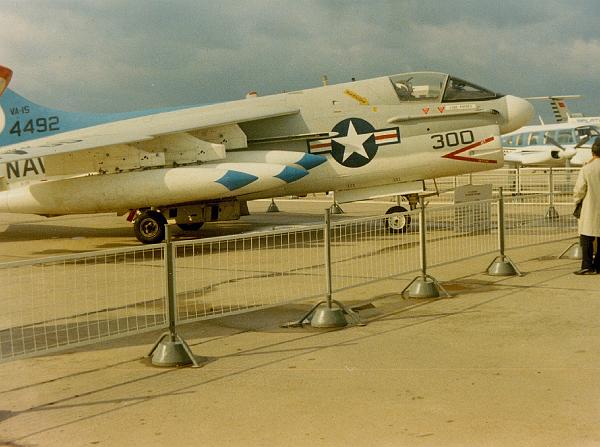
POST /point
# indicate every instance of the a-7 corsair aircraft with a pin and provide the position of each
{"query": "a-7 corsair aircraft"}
(372, 138)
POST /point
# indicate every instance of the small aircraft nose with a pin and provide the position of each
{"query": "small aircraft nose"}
(568, 153)
(519, 112)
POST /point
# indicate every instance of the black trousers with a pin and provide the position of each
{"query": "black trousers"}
(588, 259)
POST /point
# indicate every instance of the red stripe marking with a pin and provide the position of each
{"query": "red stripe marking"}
(318, 146)
(388, 135)
(454, 155)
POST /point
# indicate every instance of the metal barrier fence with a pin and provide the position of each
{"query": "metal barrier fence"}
(66, 301)
(536, 219)
(234, 274)
(56, 303)
(558, 181)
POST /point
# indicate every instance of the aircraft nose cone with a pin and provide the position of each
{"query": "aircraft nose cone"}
(519, 112)
(568, 153)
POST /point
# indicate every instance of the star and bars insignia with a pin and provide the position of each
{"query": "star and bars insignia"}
(357, 142)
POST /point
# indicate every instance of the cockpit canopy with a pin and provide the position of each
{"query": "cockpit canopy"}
(438, 87)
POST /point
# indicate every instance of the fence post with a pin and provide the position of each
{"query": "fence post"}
(502, 265)
(573, 251)
(551, 213)
(424, 285)
(335, 208)
(171, 349)
(328, 316)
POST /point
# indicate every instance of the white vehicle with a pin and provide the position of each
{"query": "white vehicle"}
(371, 138)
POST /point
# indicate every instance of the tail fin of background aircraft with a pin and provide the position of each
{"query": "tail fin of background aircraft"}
(559, 107)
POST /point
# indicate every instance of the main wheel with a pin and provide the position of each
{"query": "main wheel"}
(149, 227)
(190, 226)
(397, 222)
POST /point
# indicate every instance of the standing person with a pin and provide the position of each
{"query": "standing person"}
(587, 188)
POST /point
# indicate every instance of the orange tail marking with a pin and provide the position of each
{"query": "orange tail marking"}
(5, 75)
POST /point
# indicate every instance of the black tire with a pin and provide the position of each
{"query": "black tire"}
(398, 222)
(195, 226)
(149, 227)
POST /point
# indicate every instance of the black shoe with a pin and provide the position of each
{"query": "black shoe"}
(586, 272)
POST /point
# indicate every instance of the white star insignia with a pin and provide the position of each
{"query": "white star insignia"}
(353, 142)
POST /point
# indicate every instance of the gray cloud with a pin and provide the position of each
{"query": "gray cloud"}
(123, 55)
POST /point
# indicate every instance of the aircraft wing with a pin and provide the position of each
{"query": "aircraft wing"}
(141, 128)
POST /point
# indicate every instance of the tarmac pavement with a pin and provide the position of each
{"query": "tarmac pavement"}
(506, 361)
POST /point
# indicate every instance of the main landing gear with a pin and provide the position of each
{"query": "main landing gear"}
(149, 227)
(190, 226)
(398, 221)
(149, 224)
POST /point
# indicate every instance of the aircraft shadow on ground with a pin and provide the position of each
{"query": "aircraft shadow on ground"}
(32, 232)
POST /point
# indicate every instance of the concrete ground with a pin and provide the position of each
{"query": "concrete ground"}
(505, 361)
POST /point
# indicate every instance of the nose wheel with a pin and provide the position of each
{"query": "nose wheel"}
(149, 227)
(397, 221)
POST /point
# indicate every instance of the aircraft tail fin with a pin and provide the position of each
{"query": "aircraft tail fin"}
(559, 107)
(22, 120)
(560, 110)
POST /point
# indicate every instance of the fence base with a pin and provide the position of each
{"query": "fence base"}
(172, 352)
(327, 317)
(424, 286)
(336, 209)
(273, 207)
(503, 266)
(551, 213)
(572, 252)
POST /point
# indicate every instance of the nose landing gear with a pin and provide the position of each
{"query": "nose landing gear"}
(397, 222)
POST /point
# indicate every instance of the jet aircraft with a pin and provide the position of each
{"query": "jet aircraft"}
(364, 139)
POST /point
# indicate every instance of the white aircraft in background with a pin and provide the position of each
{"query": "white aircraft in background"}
(550, 145)
(372, 138)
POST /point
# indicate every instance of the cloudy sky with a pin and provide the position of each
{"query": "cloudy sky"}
(118, 55)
